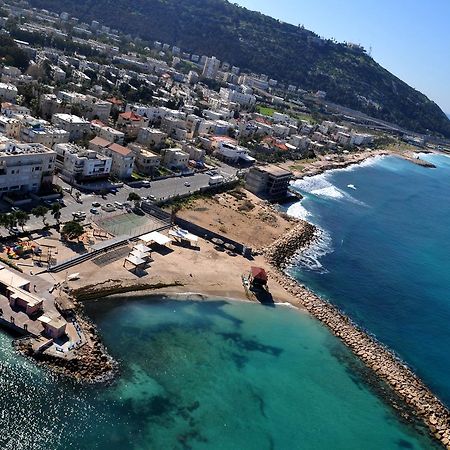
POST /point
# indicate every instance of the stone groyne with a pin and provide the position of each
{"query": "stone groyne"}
(384, 363)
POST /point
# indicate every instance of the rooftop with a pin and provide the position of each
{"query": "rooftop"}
(274, 170)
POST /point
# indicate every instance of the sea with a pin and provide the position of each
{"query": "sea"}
(384, 255)
(222, 374)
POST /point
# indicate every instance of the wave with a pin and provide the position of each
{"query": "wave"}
(298, 211)
(320, 186)
(310, 257)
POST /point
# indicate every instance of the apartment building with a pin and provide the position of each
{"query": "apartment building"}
(25, 167)
(77, 127)
(79, 164)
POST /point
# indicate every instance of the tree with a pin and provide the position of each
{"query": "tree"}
(22, 218)
(56, 212)
(40, 211)
(72, 230)
(134, 197)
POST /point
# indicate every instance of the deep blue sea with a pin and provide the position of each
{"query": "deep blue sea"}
(384, 255)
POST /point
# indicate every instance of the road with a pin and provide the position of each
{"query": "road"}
(160, 189)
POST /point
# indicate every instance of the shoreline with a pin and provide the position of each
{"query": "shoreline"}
(380, 360)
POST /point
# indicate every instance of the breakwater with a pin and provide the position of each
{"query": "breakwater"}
(385, 364)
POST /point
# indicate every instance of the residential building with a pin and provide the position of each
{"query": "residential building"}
(145, 161)
(231, 153)
(271, 182)
(39, 131)
(175, 158)
(211, 68)
(78, 164)
(130, 123)
(10, 127)
(151, 137)
(122, 157)
(107, 133)
(77, 127)
(10, 109)
(25, 167)
(234, 96)
(8, 92)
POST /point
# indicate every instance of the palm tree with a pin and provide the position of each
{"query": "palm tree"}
(40, 211)
(22, 218)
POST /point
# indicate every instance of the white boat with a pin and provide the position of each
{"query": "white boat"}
(351, 186)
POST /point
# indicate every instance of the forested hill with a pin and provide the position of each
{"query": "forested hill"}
(259, 43)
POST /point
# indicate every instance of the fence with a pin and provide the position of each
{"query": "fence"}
(209, 235)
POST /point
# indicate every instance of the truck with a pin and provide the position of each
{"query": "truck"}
(215, 179)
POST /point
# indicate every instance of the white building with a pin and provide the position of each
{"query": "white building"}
(211, 68)
(175, 158)
(233, 153)
(79, 164)
(108, 133)
(25, 167)
(151, 137)
(145, 161)
(8, 92)
(39, 131)
(122, 157)
(233, 96)
(10, 109)
(77, 127)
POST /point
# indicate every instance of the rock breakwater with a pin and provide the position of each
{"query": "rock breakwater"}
(384, 363)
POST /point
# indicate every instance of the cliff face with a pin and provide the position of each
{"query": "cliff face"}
(259, 43)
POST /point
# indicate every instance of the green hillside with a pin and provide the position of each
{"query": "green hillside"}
(259, 43)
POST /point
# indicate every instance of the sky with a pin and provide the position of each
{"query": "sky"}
(410, 38)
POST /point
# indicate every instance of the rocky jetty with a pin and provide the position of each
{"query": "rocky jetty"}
(280, 252)
(384, 363)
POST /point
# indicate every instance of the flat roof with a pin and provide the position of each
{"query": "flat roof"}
(276, 171)
(9, 278)
(157, 237)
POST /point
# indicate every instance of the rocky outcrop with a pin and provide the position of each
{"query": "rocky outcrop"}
(384, 363)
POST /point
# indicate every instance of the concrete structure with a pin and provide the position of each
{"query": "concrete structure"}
(151, 137)
(79, 164)
(145, 161)
(77, 127)
(233, 153)
(25, 167)
(8, 92)
(130, 123)
(270, 182)
(107, 133)
(233, 96)
(211, 68)
(175, 158)
(10, 109)
(10, 127)
(122, 157)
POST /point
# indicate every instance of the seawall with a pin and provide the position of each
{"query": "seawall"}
(381, 360)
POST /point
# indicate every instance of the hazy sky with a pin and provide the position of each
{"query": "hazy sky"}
(410, 38)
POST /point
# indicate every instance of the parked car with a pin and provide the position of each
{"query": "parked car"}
(96, 204)
(15, 209)
(109, 207)
(118, 205)
(94, 211)
(187, 184)
(14, 230)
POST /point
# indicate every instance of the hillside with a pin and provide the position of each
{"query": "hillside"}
(259, 43)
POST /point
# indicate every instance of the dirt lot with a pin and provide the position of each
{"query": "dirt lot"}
(239, 215)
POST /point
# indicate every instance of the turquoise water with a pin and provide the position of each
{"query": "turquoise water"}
(384, 257)
(203, 375)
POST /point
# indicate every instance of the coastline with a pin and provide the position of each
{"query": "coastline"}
(98, 366)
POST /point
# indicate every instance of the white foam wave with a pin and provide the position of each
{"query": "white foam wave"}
(298, 211)
(310, 258)
(320, 186)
